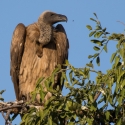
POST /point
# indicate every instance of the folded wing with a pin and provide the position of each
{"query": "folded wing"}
(16, 52)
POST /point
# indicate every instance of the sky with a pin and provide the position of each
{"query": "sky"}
(78, 12)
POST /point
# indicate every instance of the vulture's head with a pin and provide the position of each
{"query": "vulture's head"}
(51, 18)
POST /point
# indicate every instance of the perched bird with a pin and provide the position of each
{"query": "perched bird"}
(35, 52)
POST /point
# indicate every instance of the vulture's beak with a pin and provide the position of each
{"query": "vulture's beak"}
(62, 18)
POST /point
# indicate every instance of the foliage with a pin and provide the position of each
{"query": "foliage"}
(1, 92)
(87, 101)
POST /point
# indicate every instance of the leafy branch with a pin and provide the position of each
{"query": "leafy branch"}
(93, 102)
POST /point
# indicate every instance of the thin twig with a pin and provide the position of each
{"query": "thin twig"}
(6, 118)
(99, 93)
(96, 96)
(10, 107)
(121, 23)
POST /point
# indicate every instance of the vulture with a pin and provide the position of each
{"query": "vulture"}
(35, 52)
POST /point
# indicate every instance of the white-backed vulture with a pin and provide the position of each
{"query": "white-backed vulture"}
(35, 52)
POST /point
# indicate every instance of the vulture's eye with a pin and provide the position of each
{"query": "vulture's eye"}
(52, 14)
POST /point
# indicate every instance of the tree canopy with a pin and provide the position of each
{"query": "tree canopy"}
(88, 102)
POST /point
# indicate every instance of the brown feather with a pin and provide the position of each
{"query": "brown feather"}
(17, 48)
(32, 66)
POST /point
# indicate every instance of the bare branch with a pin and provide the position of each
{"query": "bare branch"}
(7, 122)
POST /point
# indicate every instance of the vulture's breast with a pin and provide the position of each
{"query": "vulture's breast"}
(33, 67)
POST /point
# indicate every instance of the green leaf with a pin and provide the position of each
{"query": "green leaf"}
(104, 30)
(71, 123)
(113, 57)
(50, 121)
(118, 121)
(91, 98)
(98, 34)
(98, 27)
(123, 83)
(98, 61)
(2, 91)
(92, 33)
(122, 52)
(64, 76)
(13, 117)
(105, 48)
(117, 59)
(70, 75)
(122, 92)
(122, 73)
(89, 65)
(44, 114)
(39, 81)
(42, 94)
(90, 56)
(107, 114)
(67, 62)
(89, 27)
(96, 48)
(93, 108)
(120, 101)
(93, 19)
(2, 99)
(46, 83)
(103, 40)
(107, 32)
(95, 15)
(98, 22)
(41, 114)
(96, 42)
(95, 55)
(56, 70)
(62, 80)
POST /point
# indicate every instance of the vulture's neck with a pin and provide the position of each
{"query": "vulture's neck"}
(45, 33)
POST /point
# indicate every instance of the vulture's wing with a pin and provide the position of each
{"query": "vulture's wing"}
(62, 46)
(17, 47)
